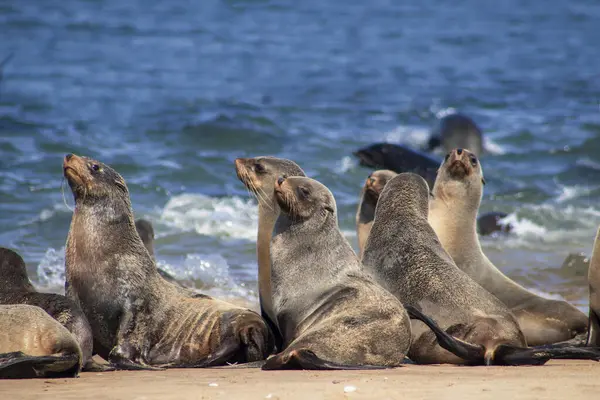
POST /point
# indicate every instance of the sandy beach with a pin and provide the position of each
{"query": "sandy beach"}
(555, 380)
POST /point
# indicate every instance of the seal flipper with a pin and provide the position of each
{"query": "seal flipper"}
(18, 365)
(277, 337)
(503, 354)
(306, 359)
(460, 348)
(93, 366)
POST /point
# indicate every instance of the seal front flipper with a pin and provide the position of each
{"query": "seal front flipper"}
(121, 362)
(513, 355)
(306, 359)
(277, 338)
(18, 365)
(93, 366)
(593, 338)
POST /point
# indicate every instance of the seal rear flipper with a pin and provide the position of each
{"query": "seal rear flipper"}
(512, 355)
(306, 359)
(18, 365)
(465, 350)
(578, 341)
(93, 366)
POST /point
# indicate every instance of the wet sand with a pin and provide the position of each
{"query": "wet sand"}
(555, 380)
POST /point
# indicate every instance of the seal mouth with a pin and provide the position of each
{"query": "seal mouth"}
(71, 169)
(459, 169)
(281, 195)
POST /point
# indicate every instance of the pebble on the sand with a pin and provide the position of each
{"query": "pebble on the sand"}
(349, 389)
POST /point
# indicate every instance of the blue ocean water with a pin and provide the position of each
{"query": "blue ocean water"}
(170, 93)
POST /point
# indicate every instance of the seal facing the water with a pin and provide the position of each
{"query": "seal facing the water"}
(457, 130)
(259, 175)
(15, 288)
(34, 345)
(140, 319)
(331, 314)
(456, 198)
(405, 256)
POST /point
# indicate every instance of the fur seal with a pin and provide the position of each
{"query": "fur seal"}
(593, 338)
(398, 158)
(259, 175)
(456, 198)
(487, 223)
(368, 201)
(139, 319)
(35, 345)
(405, 256)
(15, 288)
(456, 131)
(331, 314)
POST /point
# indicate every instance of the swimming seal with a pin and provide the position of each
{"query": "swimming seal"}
(456, 130)
(368, 201)
(259, 175)
(593, 338)
(490, 222)
(405, 256)
(15, 288)
(35, 345)
(331, 314)
(140, 320)
(146, 231)
(456, 198)
(398, 158)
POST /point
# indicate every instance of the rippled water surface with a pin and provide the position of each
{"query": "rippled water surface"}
(170, 93)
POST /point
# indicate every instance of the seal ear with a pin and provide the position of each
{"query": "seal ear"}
(329, 208)
(483, 180)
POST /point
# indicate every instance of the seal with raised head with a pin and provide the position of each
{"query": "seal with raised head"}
(331, 314)
(456, 130)
(259, 175)
(368, 201)
(405, 256)
(140, 319)
(593, 338)
(35, 345)
(453, 208)
(15, 288)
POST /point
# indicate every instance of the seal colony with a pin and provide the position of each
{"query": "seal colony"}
(419, 287)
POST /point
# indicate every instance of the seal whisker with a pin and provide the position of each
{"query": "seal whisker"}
(62, 189)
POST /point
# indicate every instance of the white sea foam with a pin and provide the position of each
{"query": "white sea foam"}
(51, 271)
(345, 164)
(229, 216)
(413, 136)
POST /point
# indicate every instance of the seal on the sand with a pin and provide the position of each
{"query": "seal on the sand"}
(34, 345)
(259, 175)
(139, 319)
(456, 130)
(15, 288)
(368, 201)
(398, 158)
(331, 314)
(593, 338)
(405, 256)
(456, 198)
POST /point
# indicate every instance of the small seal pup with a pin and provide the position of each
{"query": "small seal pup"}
(331, 314)
(452, 211)
(15, 288)
(139, 319)
(259, 175)
(368, 201)
(405, 256)
(35, 345)
(593, 338)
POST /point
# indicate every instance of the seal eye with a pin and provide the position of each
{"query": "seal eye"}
(304, 192)
(95, 167)
(259, 168)
(473, 161)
